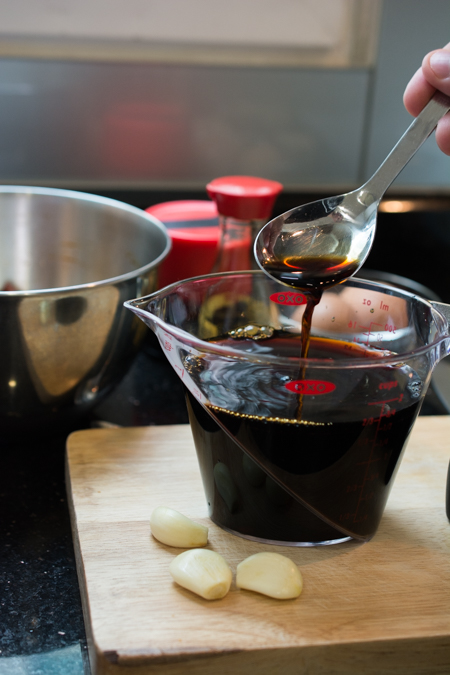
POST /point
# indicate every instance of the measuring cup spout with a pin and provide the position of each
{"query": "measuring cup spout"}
(141, 308)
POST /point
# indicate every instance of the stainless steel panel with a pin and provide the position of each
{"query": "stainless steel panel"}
(81, 123)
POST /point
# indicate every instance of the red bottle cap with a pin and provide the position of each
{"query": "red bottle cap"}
(244, 197)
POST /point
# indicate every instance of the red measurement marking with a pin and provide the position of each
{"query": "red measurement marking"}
(389, 400)
(374, 460)
(196, 393)
(367, 331)
(386, 427)
(375, 442)
(353, 488)
(388, 385)
(167, 342)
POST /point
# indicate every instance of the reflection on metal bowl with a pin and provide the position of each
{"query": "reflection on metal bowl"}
(68, 261)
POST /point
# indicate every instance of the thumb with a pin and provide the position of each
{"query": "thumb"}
(436, 69)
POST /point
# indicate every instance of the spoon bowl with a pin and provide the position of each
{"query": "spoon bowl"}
(324, 242)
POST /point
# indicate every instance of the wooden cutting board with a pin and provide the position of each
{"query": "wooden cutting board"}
(377, 608)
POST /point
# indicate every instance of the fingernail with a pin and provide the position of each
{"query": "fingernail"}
(440, 64)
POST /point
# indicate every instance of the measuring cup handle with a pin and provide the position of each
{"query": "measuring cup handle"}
(443, 308)
(445, 311)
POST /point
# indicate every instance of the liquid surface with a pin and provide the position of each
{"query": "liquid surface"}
(287, 344)
(311, 273)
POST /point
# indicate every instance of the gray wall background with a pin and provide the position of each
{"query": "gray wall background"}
(178, 126)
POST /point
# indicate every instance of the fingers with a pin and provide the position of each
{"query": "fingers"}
(443, 134)
(434, 74)
(417, 93)
(436, 69)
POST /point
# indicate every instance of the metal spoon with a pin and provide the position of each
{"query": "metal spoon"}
(324, 242)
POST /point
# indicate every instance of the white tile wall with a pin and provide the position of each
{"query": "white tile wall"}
(178, 125)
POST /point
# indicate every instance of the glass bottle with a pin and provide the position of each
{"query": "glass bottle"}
(244, 204)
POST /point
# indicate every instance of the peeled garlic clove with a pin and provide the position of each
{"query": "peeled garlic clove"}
(271, 574)
(172, 528)
(203, 572)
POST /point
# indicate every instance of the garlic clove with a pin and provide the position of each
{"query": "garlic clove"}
(203, 572)
(269, 573)
(174, 529)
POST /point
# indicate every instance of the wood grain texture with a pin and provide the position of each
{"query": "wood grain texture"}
(379, 607)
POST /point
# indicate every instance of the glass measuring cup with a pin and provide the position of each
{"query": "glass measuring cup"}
(292, 451)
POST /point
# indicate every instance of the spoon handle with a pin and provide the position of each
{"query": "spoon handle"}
(415, 135)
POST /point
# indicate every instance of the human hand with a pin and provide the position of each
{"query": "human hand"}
(434, 74)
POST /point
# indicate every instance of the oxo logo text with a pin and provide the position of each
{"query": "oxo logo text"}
(310, 387)
(288, 298)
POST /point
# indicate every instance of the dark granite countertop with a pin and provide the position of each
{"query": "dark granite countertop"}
(41, 626)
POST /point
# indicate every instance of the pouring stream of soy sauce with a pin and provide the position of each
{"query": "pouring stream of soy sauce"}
(310, 274)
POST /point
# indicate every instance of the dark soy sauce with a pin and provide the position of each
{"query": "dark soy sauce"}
(241, 496)
(342, 469)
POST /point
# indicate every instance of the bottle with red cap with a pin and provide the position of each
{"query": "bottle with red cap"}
(244, 204)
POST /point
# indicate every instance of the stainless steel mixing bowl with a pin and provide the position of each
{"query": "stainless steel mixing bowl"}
(68, 261)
